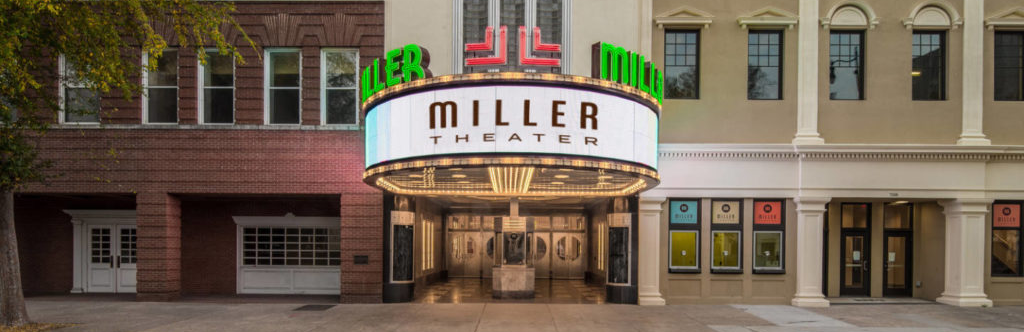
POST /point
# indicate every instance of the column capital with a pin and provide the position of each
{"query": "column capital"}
(811, 203)
(651, 203)
(966, 206)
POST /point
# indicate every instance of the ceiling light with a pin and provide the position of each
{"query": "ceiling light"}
(458, 176)
(454, 169)
(415, 175)
(602, 177)
(510, 180)
(557, 182)
(915, 73)
(561, 176)
(462, 182)
(603, 183)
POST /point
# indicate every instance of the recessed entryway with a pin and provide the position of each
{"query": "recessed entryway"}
(105, 253)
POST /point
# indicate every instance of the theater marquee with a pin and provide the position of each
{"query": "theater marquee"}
(512, 133)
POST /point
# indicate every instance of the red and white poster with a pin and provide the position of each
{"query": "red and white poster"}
(768, 213)
(1005, 215)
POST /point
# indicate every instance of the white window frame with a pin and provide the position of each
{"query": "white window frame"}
(782, 252)
(324, 88)
(696, 267)
(201, 94)
(739, 252)
(267, 87)
(290, 272)
(493, 19)
(65, 83)
(146, 87)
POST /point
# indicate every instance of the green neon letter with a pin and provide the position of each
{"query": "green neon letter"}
(391, 65)
(606, 59)
(367, 85)
(378, 85)
(412, 62)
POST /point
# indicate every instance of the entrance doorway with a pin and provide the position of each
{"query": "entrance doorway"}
(855, 276)
(898, 259)
(111, 259)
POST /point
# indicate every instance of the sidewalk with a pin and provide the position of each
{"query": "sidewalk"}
(119, 315)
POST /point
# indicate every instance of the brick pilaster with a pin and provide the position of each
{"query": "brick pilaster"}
(159, 246)
(361, 232)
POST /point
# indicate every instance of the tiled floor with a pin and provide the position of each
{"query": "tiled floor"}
(475, 290)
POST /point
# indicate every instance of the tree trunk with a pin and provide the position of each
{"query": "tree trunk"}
(12, 300)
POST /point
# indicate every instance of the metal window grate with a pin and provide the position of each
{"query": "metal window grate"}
(291, 246)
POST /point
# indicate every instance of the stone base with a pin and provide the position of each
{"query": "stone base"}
(810, 302)
(965, 301)
(512, 282)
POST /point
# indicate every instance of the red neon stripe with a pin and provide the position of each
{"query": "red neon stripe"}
(524, 60)
(488, 43)
(501, 57)
(539, 46)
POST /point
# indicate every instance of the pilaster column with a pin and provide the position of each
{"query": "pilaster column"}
(974, 74)
(648, 265)
(159, 246)
(965, 253)
(77, 284)
(810, 221)
(807, 76)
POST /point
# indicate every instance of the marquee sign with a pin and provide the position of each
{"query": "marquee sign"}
(516, 119)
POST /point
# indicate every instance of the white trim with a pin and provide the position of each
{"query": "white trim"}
(868, 17)
(930, 8)
(691, 17)
(807, 76)
(287, 220)
(768, 17)
(266, 83)
(782, 251)
(1010, 18)
(323, 86)
(146, 87)
(739, 250)
(201, 91)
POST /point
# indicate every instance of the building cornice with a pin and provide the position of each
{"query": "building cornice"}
(840, 152)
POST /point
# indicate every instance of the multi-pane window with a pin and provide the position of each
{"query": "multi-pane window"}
(80, 104)
(846, 65)
(929, 65)
(217, 104)
(1006, 244)
(128, 246)
(101, 243)
(338, 86)
(478, 15)
(1009, 65)
(684, 235)
(769, 231)
(291, 246)
(283, 86)
(764, 65)
(726, 239)
(682, 64)
(161, 99)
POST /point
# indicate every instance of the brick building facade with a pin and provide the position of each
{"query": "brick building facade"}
(185, 181)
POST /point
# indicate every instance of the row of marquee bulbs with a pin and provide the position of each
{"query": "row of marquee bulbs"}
(514, 180)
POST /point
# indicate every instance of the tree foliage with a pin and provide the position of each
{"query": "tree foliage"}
(101, 40)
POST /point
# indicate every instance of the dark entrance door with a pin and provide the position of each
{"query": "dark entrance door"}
(855, 255)
(897, 262)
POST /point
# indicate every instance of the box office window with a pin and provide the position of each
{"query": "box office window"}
(764, 65)
(80, 104)
(682, 64)
(161, 98)
(769, 236)
(684, 235)
(217, 76)
(1009, 65)
(338, 90)
(929, 65)
(291, 246)
(726, 235)
(846, 65)
(282, 97)
(1006, 246)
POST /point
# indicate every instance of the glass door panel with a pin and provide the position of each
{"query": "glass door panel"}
(855, 275)
(897, 265)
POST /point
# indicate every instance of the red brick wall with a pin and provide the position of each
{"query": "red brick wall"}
(209, 250)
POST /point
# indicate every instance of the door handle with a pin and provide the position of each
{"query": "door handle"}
(111, 261)
(118, 261)
(866, 265)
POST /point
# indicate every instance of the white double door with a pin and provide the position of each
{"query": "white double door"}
(110, 258)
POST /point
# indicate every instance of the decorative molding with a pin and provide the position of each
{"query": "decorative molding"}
(288, 220)
(851, 14)
(1010, 18)
(683, 16)
(769, 16)
(933, 14)
(839, 152)
(101, 216)
(837, 156)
